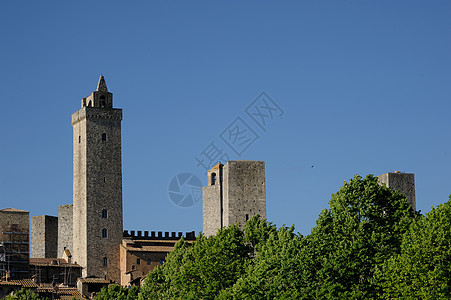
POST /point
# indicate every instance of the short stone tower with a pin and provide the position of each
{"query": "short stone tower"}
(235, 192)
(403, 182)
(97, 190)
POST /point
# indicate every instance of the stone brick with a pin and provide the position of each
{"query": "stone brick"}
(97, 185)
(65, 229)
(43, 236)
(235, 192)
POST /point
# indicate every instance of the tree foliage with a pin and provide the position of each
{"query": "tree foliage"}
(115, 291)
(25, 294)
(423, 268)
(369, 243)
(361, 229)
(200, 270)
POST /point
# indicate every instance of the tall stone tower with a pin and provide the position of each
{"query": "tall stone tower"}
(97, 191)
(403, 182)
(235, 192)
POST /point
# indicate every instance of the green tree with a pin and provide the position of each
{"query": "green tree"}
(115, 291)
(275, 270)
(200, 270)
(25, 294)
(423, 268)
(353, 238)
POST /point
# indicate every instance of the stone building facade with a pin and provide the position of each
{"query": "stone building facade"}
(140, 253)
(403, 182)
(235, 192)
(14, 243)
(97, 185)
(65, 229)
(43, 236)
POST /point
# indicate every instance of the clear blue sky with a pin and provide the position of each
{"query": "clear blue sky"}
(364, 86)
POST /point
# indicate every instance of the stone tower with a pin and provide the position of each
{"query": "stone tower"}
(97, 190)
(403, 182)
(235, 192)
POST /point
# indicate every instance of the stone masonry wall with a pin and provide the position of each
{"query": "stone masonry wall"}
(97, 187)
(65, 229)
(244, 191)
(43, 236)
(404, 182)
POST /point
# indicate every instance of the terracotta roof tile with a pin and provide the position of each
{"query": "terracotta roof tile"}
(93, 280)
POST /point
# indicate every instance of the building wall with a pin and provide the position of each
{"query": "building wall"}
(14, 234)
(131, 270)
(97, 186)
(238, 193)
(65, 229)
(43, 236)
(212, 202)
(403, 182)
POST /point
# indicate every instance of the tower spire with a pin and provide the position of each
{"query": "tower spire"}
(101, 86)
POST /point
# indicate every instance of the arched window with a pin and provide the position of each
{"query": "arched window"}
(213, 178)
(104, 233)
(103, 137)
(105, 262)
(138, 261)
(148, 261)
(133, 267)
(102, 101)
(104, 213)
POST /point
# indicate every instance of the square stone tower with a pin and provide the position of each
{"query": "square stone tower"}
(403, 182)
(65, 229)
(97, 190)
(235, 192)
(43, 237)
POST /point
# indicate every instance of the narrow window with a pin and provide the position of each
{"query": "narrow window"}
(213, 178)
(105, 262)
(104, 214)
(79, 139)
(161, 261)
(104, 179)
(104, 233)
(247, 217)
(102, 101)
(133, 267)
(138, 261)
(148, 261)
(103, 137)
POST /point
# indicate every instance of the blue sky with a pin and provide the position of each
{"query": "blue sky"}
(364, 87)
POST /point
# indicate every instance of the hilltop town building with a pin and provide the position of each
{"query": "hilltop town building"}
(235, 192)
(97, 185)
(14, 243)
(44, 236)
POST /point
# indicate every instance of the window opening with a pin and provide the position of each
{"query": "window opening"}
(105, 262)
(247, 217)
(102, 101)
(138, 261)
(148, 261)
(213, 178)
(104, 214)
(104, 233)
(103, 137)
